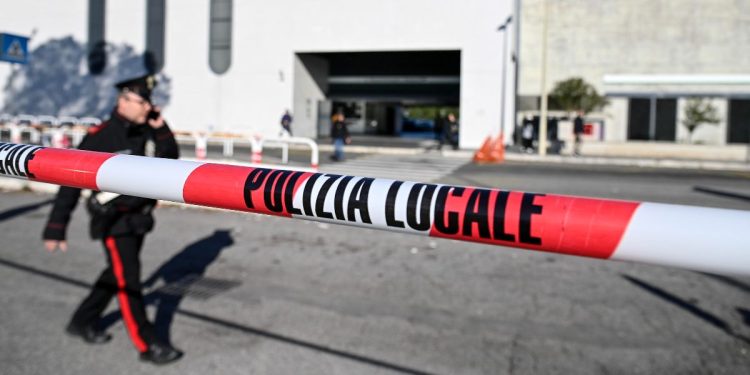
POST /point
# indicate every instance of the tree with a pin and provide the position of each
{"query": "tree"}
(575, 94)
(56, 80)
(698, 111)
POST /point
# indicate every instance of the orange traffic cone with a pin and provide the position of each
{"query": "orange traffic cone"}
(498, 150)
(483, 154)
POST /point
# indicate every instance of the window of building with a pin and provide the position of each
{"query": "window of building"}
(96, 48)
(153, 58)
(652, 119)
(739, 121)
(220, 36)
(638, 119)
(666, 120)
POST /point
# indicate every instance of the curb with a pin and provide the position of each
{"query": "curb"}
(633, 162)
(712, 165)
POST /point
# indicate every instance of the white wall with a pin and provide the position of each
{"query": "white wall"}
(593, 38)
(616, 126)
(310, 75)
(125, 23)
(259, 85)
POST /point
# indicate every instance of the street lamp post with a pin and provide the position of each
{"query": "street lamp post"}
(543, 114)
(504, 29)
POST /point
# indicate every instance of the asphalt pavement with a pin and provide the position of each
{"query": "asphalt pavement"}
(252, 294)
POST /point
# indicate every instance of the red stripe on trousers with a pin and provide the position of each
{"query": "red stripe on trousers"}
(122, 297)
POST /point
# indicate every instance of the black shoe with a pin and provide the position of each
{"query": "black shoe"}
(160, 354)
(89, 334)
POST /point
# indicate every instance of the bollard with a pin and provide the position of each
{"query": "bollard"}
(256, 146)
(201, 144)
(15, 133)
(75, 137)
(228, 149)
(58, 138)
(698, 238)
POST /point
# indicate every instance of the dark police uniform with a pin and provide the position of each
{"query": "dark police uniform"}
(121, 224)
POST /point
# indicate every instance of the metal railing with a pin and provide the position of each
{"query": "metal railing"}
(61, 132)
(45, 135)
(47, 120)
(284, 143)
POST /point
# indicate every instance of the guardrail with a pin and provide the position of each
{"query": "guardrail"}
(61, 137)
(257, 144)
(201, 145)
(698, 238)
(284, 143)
(47, 120)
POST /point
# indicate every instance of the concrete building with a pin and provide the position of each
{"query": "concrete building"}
(648, 58)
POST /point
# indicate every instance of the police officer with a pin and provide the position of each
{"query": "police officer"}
(120, 222)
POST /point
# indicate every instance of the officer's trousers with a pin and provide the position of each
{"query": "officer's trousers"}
(122, 278)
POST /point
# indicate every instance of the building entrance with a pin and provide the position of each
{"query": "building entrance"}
(376, 90)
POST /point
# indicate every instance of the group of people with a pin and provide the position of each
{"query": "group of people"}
(528, 133)
(339, 132)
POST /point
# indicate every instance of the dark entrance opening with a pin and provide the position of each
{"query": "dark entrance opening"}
(739, 121)
(374, 90)
(652, 119)
(638, 119)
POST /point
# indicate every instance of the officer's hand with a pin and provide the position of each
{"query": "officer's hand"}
(157, 122)
(52, 245)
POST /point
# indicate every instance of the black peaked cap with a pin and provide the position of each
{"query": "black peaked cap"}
(142, 86)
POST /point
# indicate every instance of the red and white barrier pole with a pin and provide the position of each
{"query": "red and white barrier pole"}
(15, 133)
(201, 145)
(58, 138)
(698, 238)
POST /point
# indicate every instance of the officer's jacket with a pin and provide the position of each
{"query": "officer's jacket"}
(115, 135)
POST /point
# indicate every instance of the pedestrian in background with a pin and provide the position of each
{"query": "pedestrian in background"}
(286, 124)
(452, 128)
(120, 222)
(527, 135)
(578, 130)
(340, 136)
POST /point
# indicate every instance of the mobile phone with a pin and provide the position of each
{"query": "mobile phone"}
(153, 115)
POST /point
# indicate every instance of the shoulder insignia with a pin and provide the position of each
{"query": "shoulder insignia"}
(97, 128)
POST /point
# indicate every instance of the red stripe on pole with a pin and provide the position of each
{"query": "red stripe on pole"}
(224, 186)
(561, 224)
(216, 185)
(584, 226)
(122, 296)
(680, 236)
(74, 168)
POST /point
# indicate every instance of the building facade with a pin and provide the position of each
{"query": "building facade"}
(648, 58)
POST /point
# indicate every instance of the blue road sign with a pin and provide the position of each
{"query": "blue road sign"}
(14, 48)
